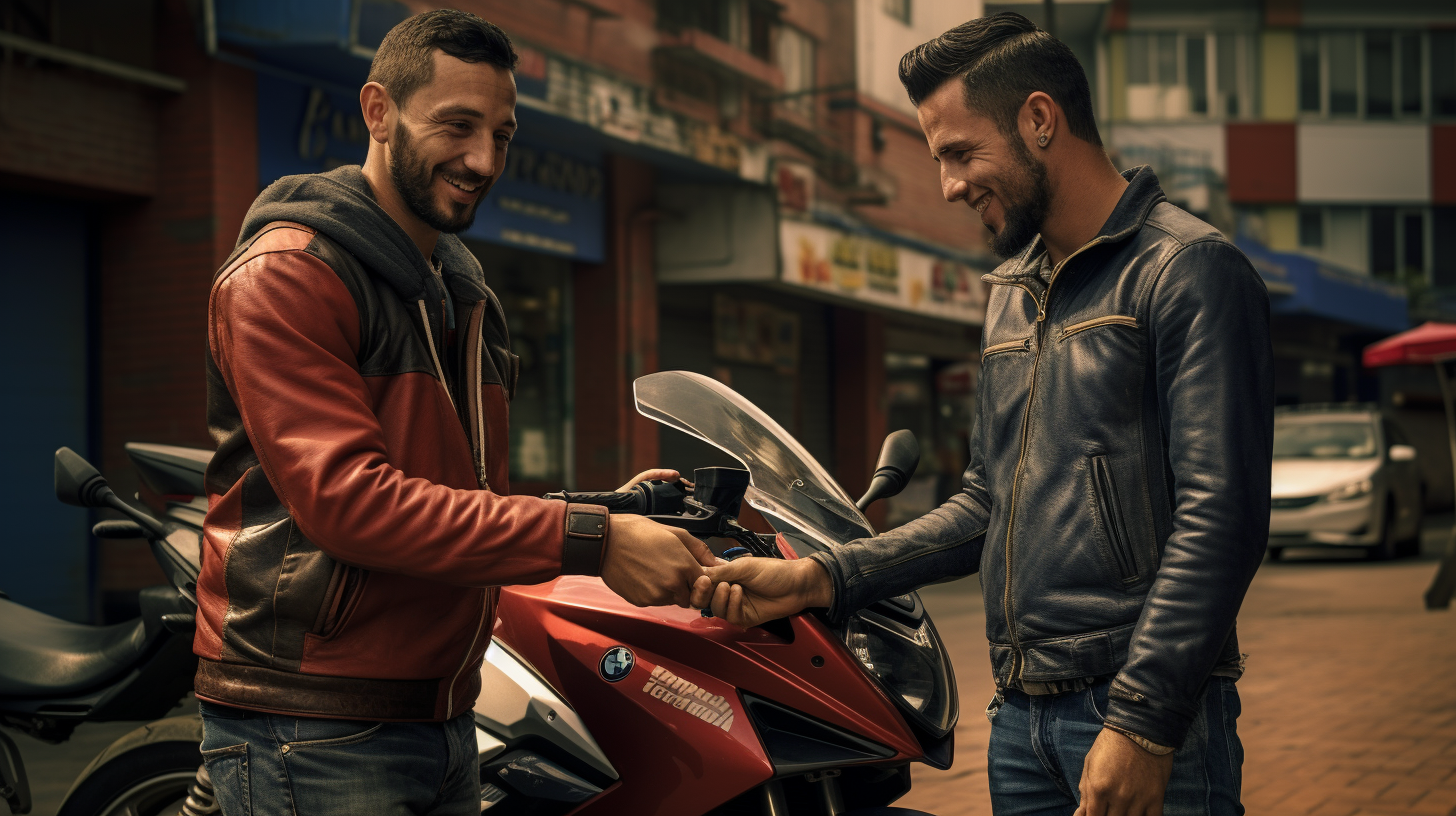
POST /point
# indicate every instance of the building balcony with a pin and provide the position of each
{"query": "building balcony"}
(694, 45)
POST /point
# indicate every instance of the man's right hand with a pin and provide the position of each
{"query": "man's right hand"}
(750, 591)
(650, 564)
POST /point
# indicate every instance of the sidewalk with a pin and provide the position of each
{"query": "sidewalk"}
(1349, 703)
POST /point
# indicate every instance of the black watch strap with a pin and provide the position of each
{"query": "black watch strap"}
(586, 539)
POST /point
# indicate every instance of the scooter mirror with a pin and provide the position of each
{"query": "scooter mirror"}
(77, 482)
(899, 457)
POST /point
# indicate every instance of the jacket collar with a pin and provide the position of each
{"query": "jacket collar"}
(1142, 194)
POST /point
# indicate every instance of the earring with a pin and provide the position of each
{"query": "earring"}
(1042, 140)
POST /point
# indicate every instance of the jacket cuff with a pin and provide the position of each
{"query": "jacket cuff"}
(837, 612)
(585, 539)
(1133, 713)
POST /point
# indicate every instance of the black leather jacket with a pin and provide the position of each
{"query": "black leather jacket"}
(1120, 466)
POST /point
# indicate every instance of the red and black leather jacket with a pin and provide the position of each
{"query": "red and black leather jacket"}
(359, 510)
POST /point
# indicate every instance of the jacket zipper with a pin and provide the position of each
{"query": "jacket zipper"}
(1110, 320)
(476, 328)
(1017, 662)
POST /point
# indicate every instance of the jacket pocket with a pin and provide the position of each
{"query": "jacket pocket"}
(1001, 348)
(1110, 509)
(1107, 320)
(344, 592)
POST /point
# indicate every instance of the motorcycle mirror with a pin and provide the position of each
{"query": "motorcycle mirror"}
(77, 482)
(899, 456)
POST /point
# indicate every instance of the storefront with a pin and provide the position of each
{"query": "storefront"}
(839, 331)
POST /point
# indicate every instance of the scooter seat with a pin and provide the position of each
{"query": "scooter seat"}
(42, 656)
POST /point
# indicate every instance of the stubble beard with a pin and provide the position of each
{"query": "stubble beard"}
(414, 177)
(1024, 202)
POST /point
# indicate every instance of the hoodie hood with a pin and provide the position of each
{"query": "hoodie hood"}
(339, 204)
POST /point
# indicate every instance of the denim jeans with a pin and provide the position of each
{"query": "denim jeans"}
(274, 765)
(1038, 743)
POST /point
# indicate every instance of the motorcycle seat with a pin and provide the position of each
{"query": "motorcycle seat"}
(42, 656)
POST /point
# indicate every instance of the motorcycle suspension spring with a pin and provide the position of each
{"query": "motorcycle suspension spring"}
(201, 800)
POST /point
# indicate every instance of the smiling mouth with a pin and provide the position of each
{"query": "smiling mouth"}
(980, 204)
(464, 186)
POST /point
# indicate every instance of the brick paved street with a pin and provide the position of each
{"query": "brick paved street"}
(1349, 703)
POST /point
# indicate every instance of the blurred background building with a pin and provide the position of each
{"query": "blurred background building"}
(735, 187)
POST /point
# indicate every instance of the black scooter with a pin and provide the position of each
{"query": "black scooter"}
(55, 675)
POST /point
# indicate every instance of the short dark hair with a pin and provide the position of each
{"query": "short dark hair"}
(1003, 59)
(405, 60)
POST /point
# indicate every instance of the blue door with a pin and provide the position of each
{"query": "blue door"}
(45, 553)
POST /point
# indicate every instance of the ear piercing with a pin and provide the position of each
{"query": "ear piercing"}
(1042, 140)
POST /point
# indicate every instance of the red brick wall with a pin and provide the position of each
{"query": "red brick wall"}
(1262, 163)
(157, 261)
(67, 126)
(616, 334)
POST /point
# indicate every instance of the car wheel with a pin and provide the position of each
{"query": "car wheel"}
(1388, 548)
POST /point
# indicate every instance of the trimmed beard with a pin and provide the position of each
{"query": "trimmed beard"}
(413, 177)
(1024, 203)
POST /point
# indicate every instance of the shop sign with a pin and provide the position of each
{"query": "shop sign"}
(547, 199)
(878, 272)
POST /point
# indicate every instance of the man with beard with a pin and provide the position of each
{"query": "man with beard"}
(1117, 500)
(359, 517)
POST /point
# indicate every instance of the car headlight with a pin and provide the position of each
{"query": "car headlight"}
(907, 658)
(1354, 490)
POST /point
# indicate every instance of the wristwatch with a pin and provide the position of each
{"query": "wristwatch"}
(1145, 744)
(586, 539)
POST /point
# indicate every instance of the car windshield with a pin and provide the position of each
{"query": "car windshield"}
(1324, 440)
(786, 484)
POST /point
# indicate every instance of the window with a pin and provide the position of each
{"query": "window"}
(1370, 74)
(796, 60)
(1398, 243)
(1176, 76)
(1443, 73)
(899, 9)
(1311, 228)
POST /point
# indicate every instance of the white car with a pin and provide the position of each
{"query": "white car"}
(1344, 476)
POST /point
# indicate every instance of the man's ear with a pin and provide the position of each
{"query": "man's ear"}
(1039, 120)
(378, 110)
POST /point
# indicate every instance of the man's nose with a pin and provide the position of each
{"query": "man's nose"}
(954, 189)
(482, 158)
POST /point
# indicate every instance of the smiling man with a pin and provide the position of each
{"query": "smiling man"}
(359, 517)
(1117, 500)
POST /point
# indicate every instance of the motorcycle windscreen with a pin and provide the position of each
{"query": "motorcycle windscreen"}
(786, 484)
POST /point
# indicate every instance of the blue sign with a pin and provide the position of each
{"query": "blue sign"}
(616, 663)
(1299, 284)
(549, 198)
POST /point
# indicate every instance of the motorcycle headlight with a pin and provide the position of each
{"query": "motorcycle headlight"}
(907, 658)
(1354, 490)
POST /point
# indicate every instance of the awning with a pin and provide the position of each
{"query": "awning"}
(1301, 285)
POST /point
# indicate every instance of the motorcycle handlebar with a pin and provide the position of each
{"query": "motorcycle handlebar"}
(643, 499)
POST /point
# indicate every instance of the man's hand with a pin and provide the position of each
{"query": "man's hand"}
(1121, 779)
(750, 591)
(650, 564)
(654, 475)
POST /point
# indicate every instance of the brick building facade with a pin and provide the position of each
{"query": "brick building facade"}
(135, 134)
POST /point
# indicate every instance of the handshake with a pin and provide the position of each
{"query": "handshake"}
(650, 564)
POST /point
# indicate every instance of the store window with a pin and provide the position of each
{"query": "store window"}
(535, 291)
(1183, 75)
(934, 398)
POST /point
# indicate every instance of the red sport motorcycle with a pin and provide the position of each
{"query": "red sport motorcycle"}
(590, 705)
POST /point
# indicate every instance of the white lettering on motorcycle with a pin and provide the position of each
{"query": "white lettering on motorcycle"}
(685, 695)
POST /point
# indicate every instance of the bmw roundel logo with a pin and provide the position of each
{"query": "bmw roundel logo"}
(616, 663)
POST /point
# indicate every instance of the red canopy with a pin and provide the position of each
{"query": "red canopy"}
(1423, 345)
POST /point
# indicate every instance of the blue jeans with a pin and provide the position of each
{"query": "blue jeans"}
(1038, 744)
(274, 765)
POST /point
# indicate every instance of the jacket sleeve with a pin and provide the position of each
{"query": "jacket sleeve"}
(284, 332)
(942, 544)
(1209, 316)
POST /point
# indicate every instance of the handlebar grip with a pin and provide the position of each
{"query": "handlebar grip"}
(614, 502)
(642, 499)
